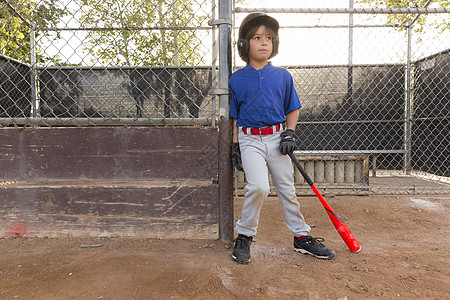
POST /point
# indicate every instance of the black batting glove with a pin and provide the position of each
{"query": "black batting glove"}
(287, 144)
(236, 156)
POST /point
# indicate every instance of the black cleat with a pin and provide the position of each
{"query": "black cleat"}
(241, 252)
(314, 247)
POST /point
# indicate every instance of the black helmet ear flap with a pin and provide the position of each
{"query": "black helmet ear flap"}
(243, 46)
(275, 45)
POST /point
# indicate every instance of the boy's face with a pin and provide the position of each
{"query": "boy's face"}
(260, 46)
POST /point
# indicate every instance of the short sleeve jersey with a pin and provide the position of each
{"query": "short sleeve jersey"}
(262, 97)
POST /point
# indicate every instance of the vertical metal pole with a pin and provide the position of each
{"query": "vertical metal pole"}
(224, 55)
(407, 159)
(350, 57)
(225, 126)
(407, 162)
(34, 99)
(213, 66)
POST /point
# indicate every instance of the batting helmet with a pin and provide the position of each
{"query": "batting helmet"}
(256, 19)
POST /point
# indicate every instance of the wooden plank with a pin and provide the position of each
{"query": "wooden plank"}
(108, 153)
(181, 211)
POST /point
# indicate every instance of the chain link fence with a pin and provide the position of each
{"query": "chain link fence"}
(78, 62)
(373, 82)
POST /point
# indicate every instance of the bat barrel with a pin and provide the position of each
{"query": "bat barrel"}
(346, 235)
(339, 224)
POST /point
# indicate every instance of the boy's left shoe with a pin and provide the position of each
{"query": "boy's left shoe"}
(314, 247)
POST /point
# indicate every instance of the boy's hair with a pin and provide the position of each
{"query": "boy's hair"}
(248, 28)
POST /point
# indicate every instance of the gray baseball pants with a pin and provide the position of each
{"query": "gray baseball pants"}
(261, 154)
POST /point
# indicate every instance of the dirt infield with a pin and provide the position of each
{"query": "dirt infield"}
(405, 255)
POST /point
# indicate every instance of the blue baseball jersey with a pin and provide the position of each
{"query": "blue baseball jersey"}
(262, 97)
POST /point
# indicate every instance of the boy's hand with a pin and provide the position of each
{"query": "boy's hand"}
(287, 144)
(236, 157)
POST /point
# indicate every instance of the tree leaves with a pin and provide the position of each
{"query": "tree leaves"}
(406, 19)
(134, 33)
(16, 21)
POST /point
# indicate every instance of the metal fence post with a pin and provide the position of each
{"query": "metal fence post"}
(213, 66)
(407, 163)
(34, 99)
(225, 126)
(350, 57)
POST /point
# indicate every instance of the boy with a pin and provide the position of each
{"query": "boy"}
(263, 98)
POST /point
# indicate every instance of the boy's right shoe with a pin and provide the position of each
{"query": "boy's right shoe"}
(241, 251)
(313, 246)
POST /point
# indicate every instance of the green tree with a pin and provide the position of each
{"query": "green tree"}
(405, 19)
(17, 18)
(165, 40)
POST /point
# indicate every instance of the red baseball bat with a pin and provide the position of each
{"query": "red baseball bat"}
(340, 226)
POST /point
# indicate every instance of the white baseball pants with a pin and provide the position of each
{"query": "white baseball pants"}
(261, 154)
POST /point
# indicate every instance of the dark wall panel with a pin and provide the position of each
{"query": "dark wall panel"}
(431, 127)
(15, 89)
(113, 153)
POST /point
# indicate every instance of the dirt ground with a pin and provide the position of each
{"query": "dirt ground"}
(405, 255)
